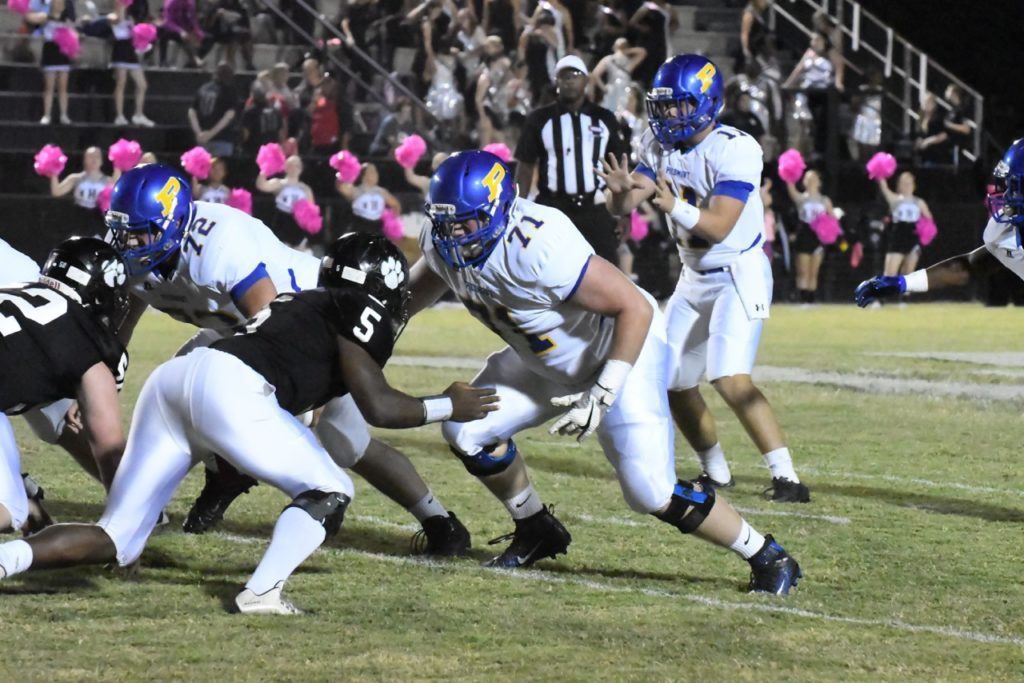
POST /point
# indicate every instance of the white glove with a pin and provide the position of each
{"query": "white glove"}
(587, 408)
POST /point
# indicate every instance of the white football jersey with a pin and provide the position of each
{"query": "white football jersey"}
(522, 292)
(225, 251)
(1003, 240)
(15, 266)
(728, 162)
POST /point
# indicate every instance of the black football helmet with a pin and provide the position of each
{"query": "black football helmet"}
(92, 272)
(374, 265)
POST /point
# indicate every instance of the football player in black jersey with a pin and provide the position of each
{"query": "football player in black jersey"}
(57, 341)
(239, 397)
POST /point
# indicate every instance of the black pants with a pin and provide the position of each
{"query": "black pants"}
(593, 221)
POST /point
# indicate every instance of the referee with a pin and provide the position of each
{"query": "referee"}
(566, 141)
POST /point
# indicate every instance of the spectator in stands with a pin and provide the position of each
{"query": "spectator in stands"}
(932, 141)
(368, 200)
(503, 18)
(754, 33)
(124, 61)
(611, 78)
(47, 16)
(212, 114)
(650, 26)
(262, 122)
(85, 187)
(738, 114)
(866, 135)
(312, 76)
(330, 125)
(563, 24)
(824, 25)
(612, 20)
(810, 252)
(491, 96)
(394, 128)
(278, 91)
(469, 39)
(226, 23)
(287, 191)
(439, 15)
(366, 16)
(444, 96)
(633, 117)
(180, 24)
(813, 76)
(539, 48)
(213, 190)
(956, 121)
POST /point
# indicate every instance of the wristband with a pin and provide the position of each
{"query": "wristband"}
(685, 214)
(613, 376)
(436, 409)
(916, 281)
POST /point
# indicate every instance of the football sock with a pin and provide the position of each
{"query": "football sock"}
(713, 462)
(427, 507)
(780, 463)
(748, 542)
(524, 504)
(15, 557)
(296, 536)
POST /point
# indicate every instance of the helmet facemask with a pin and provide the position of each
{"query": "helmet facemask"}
(145, 245)
(460, 244)
(675, 120)
(1005, 197)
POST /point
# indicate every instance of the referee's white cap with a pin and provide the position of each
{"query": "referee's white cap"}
(571, 62)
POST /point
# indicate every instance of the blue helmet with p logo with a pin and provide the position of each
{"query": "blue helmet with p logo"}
(686, 97)
(150, 210)
(469, 202)
(1005, 198)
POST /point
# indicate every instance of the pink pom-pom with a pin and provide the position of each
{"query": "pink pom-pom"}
(347, 165)
(826, 227)
(856, 255)
(881, 166)
(270, 159)
(791, 166)
(392, 226)
(67, 41)
(125, 154)
(197, 162)
(638, 227)
(103, 198)
(240, 199)
(409, 152)
(307, 216)
(926, 230)
(50, 160)
(19, 6)
(500, 150)
(143, 36)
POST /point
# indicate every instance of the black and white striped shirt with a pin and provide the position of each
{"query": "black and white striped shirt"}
(568, 146)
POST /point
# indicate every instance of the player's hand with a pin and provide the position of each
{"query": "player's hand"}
(616, 174)
(73, 418)
(585, 412)
(664, 198)
(879, 287)
(471, 403)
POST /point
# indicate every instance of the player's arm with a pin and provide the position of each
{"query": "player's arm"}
(384, 406)
(713, 223)
(425, 287)
(953, 272)
(624, 190)
(101, 416)
(136, 307)
(256, 297)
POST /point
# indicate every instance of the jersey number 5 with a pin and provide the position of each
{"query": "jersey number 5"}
(364, 330)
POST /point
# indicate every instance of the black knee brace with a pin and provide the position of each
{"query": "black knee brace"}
(328, 508)
(689, 506)
(483, 464)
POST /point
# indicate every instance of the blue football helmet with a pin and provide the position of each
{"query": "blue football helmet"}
(473, 185)
(150, 211)
(1005, 198)
(686, 96)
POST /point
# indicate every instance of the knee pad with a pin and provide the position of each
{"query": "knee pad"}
(688, 507)
(483, 464)
(326, 507)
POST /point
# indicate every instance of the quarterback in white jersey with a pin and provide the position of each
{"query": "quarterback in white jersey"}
(705, 177)
(584, 343)
(216, 270)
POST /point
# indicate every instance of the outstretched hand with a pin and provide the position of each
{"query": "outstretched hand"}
(471, 403)
(664, 198)
(616, 174)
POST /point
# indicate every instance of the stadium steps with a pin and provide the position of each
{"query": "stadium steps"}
(97, 107)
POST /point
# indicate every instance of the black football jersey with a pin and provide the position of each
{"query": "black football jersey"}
(47, 342)
(294, 343)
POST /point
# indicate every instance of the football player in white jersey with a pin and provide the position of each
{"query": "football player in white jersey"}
(1002, 241)
(214, 266)
(705, 177)
(584, 343)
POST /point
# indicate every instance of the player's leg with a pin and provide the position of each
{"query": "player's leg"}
(489, 453)
(346, 436)
(688, 316)
(13, 501)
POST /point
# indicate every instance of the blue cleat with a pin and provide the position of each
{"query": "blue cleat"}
(879, 287)
(772, 570)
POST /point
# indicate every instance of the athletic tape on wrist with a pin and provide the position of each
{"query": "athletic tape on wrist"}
(916, 281)
(685, 214)
(436, 409)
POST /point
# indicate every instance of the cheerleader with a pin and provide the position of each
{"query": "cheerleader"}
(903, 248)
(287, 191)
(810, 252)
(85, 186)
(214, 190)
(124, 60)
(47, 16)
(368, 200)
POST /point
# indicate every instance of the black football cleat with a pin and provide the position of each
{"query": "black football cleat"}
(218, 493)
(38, 517)
(706, 482)
(538, 536)
(772, 570)
(442, 536)
(784, 490)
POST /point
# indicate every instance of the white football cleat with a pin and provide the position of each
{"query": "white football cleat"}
(270, 602)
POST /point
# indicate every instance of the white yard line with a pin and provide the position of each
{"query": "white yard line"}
(895, 479)
(625, 521)
(713, 603)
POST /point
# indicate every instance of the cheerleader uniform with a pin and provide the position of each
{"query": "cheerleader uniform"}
(284, 225)
(367, 212)
(123, 56)
(902, 237)
(807, 241)
(52, 59)
(216, 195)
(85, 194)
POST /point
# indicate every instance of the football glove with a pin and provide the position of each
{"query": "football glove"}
(879, 287)
(585, 412)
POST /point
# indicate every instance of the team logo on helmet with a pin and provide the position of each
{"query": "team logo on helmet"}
(393, 273)
(114, 274)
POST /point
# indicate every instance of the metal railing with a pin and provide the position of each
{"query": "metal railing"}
(914, 70)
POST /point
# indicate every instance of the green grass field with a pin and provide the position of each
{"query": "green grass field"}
(911, 546)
